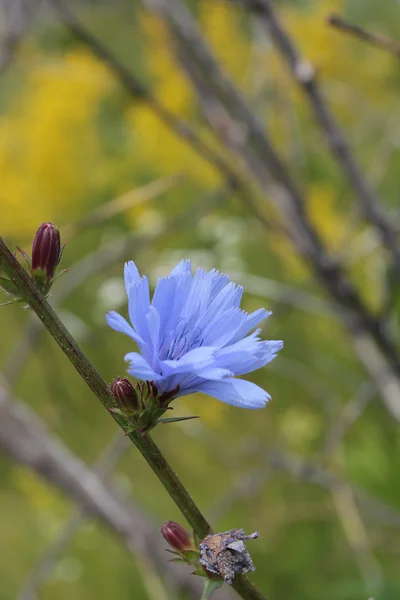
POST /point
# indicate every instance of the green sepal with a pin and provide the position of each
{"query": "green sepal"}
(116, 411)
(127, 413)
(39, 277)
(200, 572)
(197, 538)
(180, 560)
(61, 254)
(58, 275)
(175, 419)
(14, 301)
(191, 556)
(211, 586)
(26, 256)
(9, 288)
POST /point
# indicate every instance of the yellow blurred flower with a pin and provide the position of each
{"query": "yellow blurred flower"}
(49, 146)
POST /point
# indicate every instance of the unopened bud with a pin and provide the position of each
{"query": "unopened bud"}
(46, 249)
(176, 536)
(125, 395)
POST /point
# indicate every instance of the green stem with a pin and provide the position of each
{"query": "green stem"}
(144, 443)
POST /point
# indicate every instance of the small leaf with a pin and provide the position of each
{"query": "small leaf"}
(177, 560)
(191, 555)
(60, 255)
(173, 552)
(9, 287)
(197, 538)
(12, 302)
(117, 411)
(26, 256)
(200, 572)
(211, 586)
(175, 419)
(59, 275)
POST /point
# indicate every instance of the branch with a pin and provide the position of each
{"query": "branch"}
(144, 443)
(24, 437)
(15, 19)
(253, 144)
(181, 128)
(49, 558)
(305, 76)
(376, 40)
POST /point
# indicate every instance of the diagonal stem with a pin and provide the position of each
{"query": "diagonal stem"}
(144, 443)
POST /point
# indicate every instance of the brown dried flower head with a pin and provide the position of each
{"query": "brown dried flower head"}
(226, 554)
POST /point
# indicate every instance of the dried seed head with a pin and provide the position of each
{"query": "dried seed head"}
(226, 554)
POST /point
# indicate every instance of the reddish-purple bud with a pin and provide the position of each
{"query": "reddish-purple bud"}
(125, 395)
(46, 249)
(176, 536)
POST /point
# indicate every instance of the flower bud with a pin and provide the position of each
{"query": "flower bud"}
(176, 536)
(125, 395)
(46, 249)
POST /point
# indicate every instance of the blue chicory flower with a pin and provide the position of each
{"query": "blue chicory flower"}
(193, 336)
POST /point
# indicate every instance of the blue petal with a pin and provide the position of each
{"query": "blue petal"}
(252, 321)
(140, 368)
(219, 281)
(199, 358)
(183, 268)
(219, 330)
(138, 306)
(131, 275)
(163, 299)
(153, 325)
(197, 301)
(236, 392)
(229, 297)
(118, 323)
(246, 357)
(213, 373)
(182, 289)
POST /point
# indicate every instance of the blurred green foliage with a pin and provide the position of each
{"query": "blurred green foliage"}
(72, 139)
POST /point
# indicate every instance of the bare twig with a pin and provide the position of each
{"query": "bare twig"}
(119, 205)
(305, 76)
(181, 128)
(375, 39)
(46, 563)
(24, 437)
(254, 145)
(357, 537)
(15, 18)
(350, 414)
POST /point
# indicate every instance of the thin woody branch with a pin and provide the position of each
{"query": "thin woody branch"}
(25, 438)
(305, 76)
(253, 145)
(376, 40)
(233, 180)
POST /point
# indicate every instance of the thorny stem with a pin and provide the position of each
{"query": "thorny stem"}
(144, 443)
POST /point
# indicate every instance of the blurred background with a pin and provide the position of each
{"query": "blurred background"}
(114, 126)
